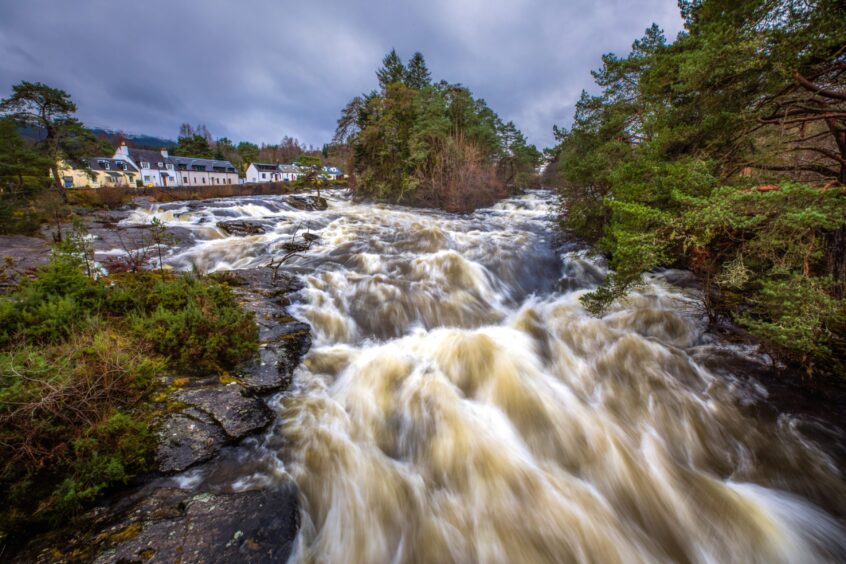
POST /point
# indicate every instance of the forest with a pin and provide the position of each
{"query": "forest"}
(431, 143)
(724, 152)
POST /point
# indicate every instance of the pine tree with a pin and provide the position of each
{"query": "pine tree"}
(51, 110)
(417, 75)
(392, 70)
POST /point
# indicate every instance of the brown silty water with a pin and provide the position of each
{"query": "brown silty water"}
(459, 405)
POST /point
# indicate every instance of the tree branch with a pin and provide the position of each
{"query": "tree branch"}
(819, 169)
(808, 85)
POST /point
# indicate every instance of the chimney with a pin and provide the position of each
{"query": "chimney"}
(123, 150)
(164, 152)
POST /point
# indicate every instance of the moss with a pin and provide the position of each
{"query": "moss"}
(122, 535)
(227, 378)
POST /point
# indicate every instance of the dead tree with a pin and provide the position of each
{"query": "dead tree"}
(292, 248)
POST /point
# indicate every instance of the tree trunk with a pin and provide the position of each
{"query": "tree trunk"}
(835, 258)
(60, 187)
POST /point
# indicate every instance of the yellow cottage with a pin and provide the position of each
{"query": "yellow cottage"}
(101, 172)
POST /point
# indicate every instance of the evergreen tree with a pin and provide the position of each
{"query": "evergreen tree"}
(194, 146)
(21, 166)
(50, 111)
(417, 74)
(392, 70)
(725, 152)
(432, 144)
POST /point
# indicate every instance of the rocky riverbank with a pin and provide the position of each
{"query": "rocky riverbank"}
(169, 514)
(165, 516)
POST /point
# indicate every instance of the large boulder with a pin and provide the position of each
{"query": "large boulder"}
(242, 227)
(307, 203)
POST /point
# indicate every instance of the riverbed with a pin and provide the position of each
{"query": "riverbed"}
(459, 404)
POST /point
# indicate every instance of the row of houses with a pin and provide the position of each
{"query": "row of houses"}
(266, 172)
(132, 167)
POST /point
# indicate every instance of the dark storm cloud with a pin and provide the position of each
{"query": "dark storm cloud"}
(261, 69)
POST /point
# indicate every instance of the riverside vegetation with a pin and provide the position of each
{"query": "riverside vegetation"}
(81, 361)
(724, 152)
(433, 144)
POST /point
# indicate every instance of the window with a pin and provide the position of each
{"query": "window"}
(145, 165)
(146, 179)
(263, 175)
(169, 166)
(160, 164)
(185, 180)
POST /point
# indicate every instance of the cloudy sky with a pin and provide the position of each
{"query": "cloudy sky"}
(261, 69)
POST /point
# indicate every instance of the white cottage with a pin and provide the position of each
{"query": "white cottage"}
(262, 172)
(265, 172)
(157, 170)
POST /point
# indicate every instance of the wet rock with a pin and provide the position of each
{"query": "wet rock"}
(295, 339)
(310, 237)
(286, 344)
(107, 218)
(684, 279)
(266, 374)
(174, 526)
(186, 439)
(242, 227)
(307, 203)
(300, 203)
(24, 254)
(319, 203)
(237, 414)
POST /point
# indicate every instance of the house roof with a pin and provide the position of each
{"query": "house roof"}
(209, 165)
(289, 168)
(99, 163)
(147, 156)
(266, 167)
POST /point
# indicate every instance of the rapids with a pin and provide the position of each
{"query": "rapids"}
(459, 405)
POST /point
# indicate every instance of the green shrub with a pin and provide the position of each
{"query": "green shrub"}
(107, 454)
(197, 324)
(50, 307)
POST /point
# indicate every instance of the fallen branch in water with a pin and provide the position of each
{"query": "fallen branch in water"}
(293, 249)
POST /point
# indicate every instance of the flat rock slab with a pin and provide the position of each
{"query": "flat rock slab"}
(187, 438)
(25, 253)
(265, 374)
(237, 414)
(172, 526)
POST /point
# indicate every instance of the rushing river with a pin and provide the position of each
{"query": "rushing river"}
(460, 405)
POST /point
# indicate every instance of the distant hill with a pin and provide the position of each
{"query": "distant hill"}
(138, 140)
